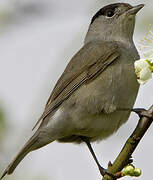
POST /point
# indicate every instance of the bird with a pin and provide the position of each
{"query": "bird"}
(97, 90)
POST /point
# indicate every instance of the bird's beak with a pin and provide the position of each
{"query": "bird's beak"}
(135, 9)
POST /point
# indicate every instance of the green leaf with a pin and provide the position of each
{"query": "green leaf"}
(2, 123)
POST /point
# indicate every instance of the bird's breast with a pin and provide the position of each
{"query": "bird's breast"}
(97, 107)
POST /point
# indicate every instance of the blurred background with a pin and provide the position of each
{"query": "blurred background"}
(37, 40)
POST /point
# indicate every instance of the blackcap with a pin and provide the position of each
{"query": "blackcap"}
(88, 101)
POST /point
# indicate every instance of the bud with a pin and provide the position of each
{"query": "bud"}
(137, 172)
(128, 170)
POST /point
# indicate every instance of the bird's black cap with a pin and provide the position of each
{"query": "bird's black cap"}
(110, 7)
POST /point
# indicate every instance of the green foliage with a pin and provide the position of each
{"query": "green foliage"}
(40, 178)
(2, 123)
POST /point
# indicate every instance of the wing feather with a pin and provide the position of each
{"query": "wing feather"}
(87, 64)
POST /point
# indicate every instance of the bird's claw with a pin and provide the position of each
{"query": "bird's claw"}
(143, 113)
(106, 172)
(130, 161)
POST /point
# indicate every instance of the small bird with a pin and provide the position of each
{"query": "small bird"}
(97, 90)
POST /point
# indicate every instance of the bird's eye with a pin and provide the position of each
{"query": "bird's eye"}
(110, 13)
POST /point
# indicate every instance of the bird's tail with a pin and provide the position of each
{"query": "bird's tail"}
(31, 145)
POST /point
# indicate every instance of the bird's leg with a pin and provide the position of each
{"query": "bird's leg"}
(140, 111)
(101, 169)
(143, 113)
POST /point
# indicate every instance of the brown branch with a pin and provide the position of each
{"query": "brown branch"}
(130, 145)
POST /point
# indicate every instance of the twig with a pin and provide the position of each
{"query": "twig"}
(130, 145)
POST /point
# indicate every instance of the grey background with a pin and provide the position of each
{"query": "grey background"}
(37, 40)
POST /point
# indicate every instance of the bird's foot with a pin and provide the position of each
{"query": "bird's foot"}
(104, 172)
(130, 160)
(143, 113)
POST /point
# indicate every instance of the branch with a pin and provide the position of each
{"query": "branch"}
(130, 145)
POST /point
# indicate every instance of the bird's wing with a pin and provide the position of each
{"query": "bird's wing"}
(87, 64)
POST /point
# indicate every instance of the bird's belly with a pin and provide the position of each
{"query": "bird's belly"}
(102, 125)
(97, 112)
(93, 110)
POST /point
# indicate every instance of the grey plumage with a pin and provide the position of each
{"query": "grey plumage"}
(97, 84)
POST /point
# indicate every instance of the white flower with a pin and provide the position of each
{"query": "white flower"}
(149, 56)
(144, 67)
(143, 70)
